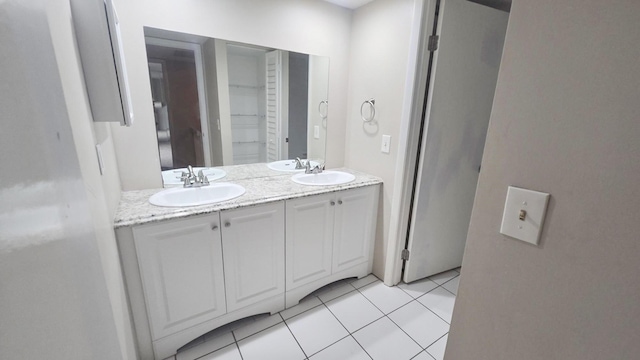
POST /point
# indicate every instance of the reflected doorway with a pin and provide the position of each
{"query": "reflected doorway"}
(173, 75)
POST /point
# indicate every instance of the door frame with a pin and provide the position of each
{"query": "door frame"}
(200, 80)
(410, 138)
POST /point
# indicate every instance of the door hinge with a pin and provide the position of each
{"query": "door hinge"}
(433, 43)
(405, 254)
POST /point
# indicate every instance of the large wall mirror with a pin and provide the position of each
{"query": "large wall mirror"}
(219, 103)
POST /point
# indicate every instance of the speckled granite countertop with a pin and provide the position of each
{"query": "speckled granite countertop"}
(134, 208)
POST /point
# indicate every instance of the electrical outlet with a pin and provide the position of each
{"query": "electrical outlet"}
(386, 144)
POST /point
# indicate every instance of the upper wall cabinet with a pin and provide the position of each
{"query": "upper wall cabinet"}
(99, 43)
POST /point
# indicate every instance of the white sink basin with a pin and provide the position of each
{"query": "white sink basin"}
(327, 177)
(288, 165)
(179, 197)
(172, 177)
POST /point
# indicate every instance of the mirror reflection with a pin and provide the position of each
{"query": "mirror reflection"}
(219, 103)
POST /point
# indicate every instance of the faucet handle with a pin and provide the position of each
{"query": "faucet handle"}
(202, 178)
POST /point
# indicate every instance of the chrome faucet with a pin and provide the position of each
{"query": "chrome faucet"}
(299, 163)
(190, 179)
(313, 170)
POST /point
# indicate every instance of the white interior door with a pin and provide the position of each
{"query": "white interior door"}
(464, 74)
(273, 84)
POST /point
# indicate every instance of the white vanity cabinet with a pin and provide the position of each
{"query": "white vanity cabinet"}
(188, 276)
(253, 245)
(182, 272)
(329, 237)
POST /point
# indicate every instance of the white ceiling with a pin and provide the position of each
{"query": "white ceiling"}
(349, 4)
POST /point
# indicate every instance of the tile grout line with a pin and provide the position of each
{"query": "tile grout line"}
(426, 307)
(387, 316)
(351, 333)
(436, 342)
(416, 300)
(358, 289)
(294, 336)
(338, 320)
(237, 345)
(361, 347)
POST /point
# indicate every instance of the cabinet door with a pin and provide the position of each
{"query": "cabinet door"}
(354, 229)
(253, 245)
(181, 269)
(309, 239)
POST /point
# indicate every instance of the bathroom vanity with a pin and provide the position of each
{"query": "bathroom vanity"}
(190, 270)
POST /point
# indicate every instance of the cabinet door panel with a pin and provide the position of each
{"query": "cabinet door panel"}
(309, 239)
(354, 227)
(181, 269)
(253, 245)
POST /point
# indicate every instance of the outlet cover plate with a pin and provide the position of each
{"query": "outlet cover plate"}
(534, 205)
(386, 144)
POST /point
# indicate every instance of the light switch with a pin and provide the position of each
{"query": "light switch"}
(316, 132)
(524, 212)
(386, 143)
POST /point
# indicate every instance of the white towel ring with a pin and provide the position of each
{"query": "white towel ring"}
(372, 115)
(323, 115)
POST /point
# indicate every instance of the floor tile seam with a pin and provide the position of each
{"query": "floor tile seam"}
(362, 347)
(438, 339)
(427, 348)
(339, 322)
(412, 339)
(258, 332)
(337, 297)
(311, 308)
(296, 340)
(360, 328)
(426, 352)
(454, 295)
(439, 286)
(406, 292)
(330, 345)
(449, 291)
(377, 279)
(447, 280)
(434, 313)
(237, 345)
(369, 300)
(385, 314)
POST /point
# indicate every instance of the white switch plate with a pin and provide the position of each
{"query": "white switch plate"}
(316, 132)
(386, 143)
(534, 203)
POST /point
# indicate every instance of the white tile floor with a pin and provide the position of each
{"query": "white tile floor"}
(347, 320)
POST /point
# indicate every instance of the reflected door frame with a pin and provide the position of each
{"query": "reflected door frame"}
(202, 98)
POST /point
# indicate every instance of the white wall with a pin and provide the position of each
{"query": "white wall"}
(381, 60)
(565, 120)
(318, 90)
(53, 292)
(102, 191)
(307, 26)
